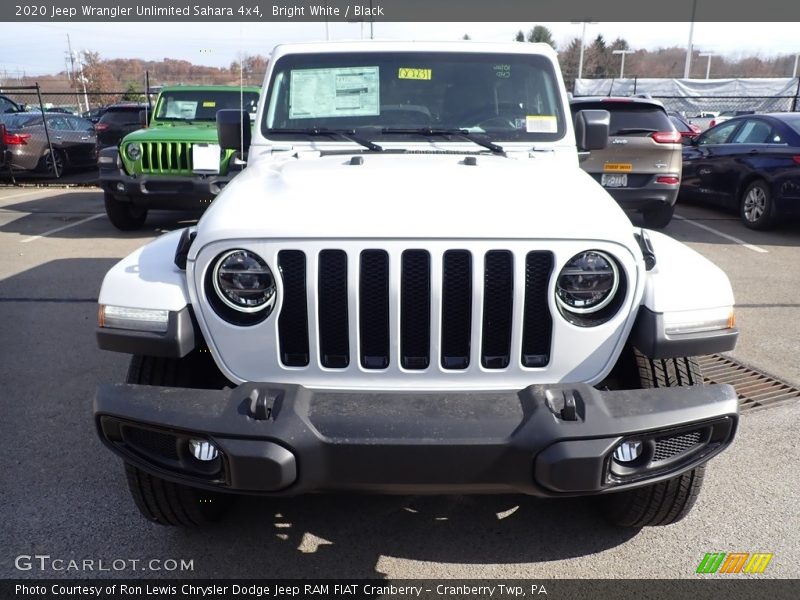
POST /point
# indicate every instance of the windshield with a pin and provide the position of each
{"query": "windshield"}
(199, 105)
(396, 95)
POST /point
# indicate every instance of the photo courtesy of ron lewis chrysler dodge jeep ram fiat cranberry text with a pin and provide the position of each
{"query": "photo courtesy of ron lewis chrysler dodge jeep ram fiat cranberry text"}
(413, 288)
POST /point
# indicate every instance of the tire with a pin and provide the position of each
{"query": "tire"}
(658, 218)
(60, 163)
(125, 216)
(756, 207)
(668, 501)
(159, 500)
(168, 503)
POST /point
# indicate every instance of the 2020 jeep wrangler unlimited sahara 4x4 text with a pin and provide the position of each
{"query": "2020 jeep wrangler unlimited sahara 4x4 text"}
(413, 288)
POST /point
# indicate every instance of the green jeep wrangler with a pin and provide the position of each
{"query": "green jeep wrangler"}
(174, 163)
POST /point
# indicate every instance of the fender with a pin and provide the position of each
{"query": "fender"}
(148, 279)
(687, 305)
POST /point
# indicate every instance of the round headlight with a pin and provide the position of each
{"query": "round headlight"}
(244, 282)
(587, 283)
(134, 151)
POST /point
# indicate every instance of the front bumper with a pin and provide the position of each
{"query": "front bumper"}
(552, 440)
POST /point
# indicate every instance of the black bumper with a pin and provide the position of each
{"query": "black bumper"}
(286, 439)
(645, 198)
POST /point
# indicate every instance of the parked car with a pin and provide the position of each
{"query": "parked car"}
(398, 295)
(687, 129)
(94, 114)
(116, 122)
(726, 115)
(72, 138)
(176, 162)
(750, 164)
(641, 166)
(7, 105)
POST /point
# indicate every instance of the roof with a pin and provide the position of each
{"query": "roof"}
(464, 46)
(611, 99)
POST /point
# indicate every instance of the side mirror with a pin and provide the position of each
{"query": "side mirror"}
(234, 130)
(591, 129)
(143, 118)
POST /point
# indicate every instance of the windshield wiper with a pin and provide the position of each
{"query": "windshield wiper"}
(348, 134)
(462, 133)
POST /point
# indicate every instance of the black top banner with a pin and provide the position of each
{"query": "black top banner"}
(254, 11)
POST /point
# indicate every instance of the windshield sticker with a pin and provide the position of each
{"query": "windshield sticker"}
(541, 124)
(502, 71)
(209, 104)
(338, 92)
(181, 109)
(414, 73)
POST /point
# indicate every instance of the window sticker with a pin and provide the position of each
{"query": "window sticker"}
(209, 104)
(181, 109)
(337, 92)
(414, 73)
(503, 71)
(541, 124)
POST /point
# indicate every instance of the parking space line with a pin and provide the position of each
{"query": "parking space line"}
(32, 193)
(723, 235)
(62, 228)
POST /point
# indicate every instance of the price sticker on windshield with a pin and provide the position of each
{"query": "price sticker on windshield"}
(414, 73)
(541, 124)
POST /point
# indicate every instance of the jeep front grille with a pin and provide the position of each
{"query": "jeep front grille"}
(450, 337)
(167, 158)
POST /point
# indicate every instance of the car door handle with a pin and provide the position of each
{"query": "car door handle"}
(754, 151)
(84, 138)
(58, 137)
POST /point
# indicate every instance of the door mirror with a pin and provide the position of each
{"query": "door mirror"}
(233, 130)
(591, 129)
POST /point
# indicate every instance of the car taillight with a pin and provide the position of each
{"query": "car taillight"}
(15, 139)
(668, 179)
(712, 123)
(695, 128)
(666, 137)
(796, 159)
(100, 127)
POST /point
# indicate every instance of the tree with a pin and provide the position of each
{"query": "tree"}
(132, 93)
(466, 37)
(520, 37)
(542, 34)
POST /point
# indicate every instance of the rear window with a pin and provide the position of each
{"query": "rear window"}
(118, 116)
(22, 120)
(631, 117)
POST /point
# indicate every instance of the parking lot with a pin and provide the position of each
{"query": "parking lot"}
(63, 494)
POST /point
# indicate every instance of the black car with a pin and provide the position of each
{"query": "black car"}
(117, 121)
(748, 163)
(7, 105)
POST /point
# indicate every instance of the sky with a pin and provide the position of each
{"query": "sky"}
(40, 48)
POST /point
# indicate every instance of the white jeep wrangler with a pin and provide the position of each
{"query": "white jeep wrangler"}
(413, 288)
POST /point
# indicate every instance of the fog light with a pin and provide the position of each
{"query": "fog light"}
(628, 452)
(203, 450)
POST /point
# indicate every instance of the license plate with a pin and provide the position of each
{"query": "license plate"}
(205, 158)
(613, 180)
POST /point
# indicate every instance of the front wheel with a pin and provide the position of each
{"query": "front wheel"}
(756, 206)
(668, 501)
(125, 216)
(159, 500)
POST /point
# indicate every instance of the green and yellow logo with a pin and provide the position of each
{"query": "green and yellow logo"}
(734, 562)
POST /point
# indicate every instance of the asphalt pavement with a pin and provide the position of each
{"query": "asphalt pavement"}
(62, 494)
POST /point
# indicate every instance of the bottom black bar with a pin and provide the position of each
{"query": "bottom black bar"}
(727, 587)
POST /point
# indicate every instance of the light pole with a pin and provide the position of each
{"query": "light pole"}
(622, 62)
(688, 66)
(583, 39)
(708, 64)
(794, 71)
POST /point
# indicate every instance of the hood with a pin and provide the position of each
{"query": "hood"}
(423, 196)
(198, 132)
